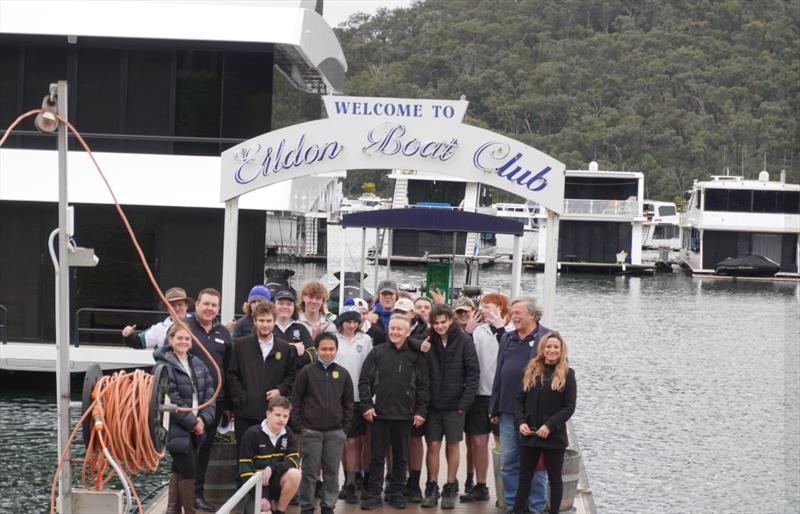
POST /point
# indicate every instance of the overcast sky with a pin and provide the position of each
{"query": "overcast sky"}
(336, 11)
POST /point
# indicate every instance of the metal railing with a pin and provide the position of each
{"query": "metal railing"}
(3, 324)
(78, 330)
(252, 482)
(627, 208)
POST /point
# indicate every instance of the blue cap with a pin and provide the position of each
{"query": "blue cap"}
(259, 292)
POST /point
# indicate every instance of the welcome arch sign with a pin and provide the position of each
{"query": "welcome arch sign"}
(371, 133)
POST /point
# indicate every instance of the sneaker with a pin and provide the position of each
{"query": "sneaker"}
(325, 510)
(415, 494)
(397, 501)
(431, 494)
(342, 493)
(350, 495)
(372, 503)
(479, 493)
(449, 493)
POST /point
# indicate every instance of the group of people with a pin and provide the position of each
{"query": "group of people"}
(310, 392)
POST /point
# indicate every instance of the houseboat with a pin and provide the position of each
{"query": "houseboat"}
(529, 216)
(661, 229)
(753, 224)
(158, 89)
(601, 228)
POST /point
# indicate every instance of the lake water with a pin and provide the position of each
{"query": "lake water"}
(688, 395)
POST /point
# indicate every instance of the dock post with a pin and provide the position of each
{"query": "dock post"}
(230, 239)
(64, 505)
(550, 271)
(516, 268)
(363, 261)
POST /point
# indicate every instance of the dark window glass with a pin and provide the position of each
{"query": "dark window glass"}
(600, 188)
(740, 200)
(10, 106)
(666, 210)
(765, 201)
(149, 106)
(43, 66)
(788, 202)
(197, 103)
(246, 94)
(717, 199)
(98, 95)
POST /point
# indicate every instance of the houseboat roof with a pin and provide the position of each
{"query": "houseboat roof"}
(444, 220)
(421, 175)
(738, 182)
(608, 174)
(306, 48)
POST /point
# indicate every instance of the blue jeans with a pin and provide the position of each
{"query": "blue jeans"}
(509, 468)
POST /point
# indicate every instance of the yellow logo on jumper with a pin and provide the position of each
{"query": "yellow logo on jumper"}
(335, 375)
(277, 356)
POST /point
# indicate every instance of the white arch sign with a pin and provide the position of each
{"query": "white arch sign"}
(385, 133)
(364, 133)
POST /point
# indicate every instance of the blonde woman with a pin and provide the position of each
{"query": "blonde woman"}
(542, 407)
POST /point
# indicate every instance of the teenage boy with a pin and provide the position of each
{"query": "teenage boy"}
(323, 413)
(400, 401)
(271, 446)
(261, 368)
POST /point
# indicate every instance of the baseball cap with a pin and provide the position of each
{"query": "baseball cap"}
(387, 286)
(285, 295)
(403, 304)
(462, 303)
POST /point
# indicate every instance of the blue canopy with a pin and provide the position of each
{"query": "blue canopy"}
(441, 220)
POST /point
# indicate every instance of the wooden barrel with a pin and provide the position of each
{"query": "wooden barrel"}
(222, 473)
(570, 473)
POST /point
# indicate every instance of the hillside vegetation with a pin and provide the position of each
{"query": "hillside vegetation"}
(678, 89)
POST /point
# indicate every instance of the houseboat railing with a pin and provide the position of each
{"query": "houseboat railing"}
(629, 208)
(3, 323)
(252, 482)
(113, 327)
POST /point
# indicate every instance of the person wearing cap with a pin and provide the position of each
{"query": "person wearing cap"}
(382, 311)
(464, 308)
(354, 346)
(288, 328)
(156, 335)
(262, 367)
(245, 326)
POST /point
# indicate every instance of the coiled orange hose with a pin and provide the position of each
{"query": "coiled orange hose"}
(121, 401)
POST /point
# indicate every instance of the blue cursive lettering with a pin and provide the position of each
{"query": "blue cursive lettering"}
(489, 154)
(387, 139)
(281, 158)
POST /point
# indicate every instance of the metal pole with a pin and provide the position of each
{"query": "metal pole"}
(363, 262)
(342, 273)
(377, 257)
(389, 251)
(230, 240)
(62, 309)
(550, 271)
(452, 267)
(516, 268)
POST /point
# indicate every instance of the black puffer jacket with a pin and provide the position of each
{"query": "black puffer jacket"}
(544, 406)
(181, 387)
(454, 371)
(398, 381)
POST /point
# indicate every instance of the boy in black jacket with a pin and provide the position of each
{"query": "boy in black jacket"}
(323, 413)
(271, 446)
(261, 368)
(396, 376)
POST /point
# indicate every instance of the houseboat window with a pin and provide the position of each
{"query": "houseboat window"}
(666, 210)
(665, 232)
(198, 81)
(149, 106)
(99, 72)
(740, 200)
(600, 188)
(747, 200)
(9, 81)
(42, 64)
(788, 202)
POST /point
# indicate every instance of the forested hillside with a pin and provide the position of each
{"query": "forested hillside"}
(678, 89)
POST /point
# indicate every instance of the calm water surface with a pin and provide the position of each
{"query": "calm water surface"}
(688, 395)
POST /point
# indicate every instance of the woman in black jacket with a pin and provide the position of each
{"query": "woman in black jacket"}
(190, 385)
(544, 404)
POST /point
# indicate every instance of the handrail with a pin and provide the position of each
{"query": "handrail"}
(626, 208)
(3, 322)
(77, 330)
(253, 481)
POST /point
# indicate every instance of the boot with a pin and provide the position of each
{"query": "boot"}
(173, 503)
(186, 495)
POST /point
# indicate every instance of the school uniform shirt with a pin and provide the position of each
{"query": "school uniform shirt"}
(218, 343)
(261, 449)
(352, 354)
(323, 398)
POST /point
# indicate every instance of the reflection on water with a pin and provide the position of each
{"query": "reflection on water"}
(688, 398)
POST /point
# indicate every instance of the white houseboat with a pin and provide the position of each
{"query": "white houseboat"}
(661, 229)
(158, 89)
(601, 228)
(529, 216)
(731, 217)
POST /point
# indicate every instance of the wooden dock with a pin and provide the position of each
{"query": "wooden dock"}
(595, 267)
(584, 502)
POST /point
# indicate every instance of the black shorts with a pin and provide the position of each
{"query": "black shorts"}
(477, 421)
(359, 425)
(420, 430)
(273, 491)
(443, 424)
